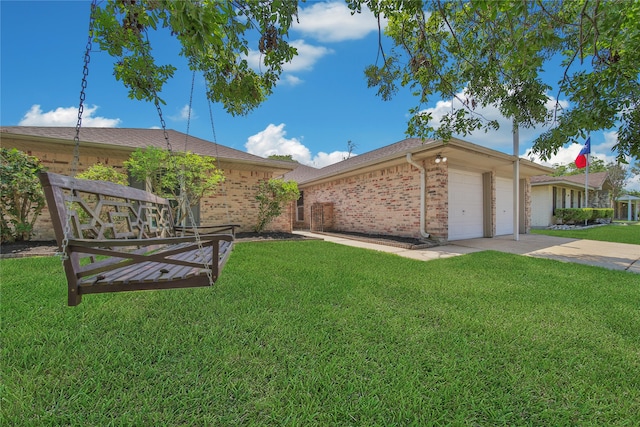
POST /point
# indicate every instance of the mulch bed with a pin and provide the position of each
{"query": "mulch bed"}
(395, 241)
(48, 248)
(28, 248)
(256, 237)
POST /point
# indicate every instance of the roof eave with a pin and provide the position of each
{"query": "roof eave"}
(398, 156)
(276, 165)
(565, 184)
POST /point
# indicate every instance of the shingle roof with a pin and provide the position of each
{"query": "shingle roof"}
(301, 173)
(140, 138)
(596, 179)
(306, 173)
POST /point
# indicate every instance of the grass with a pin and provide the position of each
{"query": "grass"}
(312, 333)
(606, 233)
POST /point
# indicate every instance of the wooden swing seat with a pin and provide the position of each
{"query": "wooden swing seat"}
(123, 239)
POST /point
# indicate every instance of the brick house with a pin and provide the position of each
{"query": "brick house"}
(233, 203)
(549, 193)
(414, 188)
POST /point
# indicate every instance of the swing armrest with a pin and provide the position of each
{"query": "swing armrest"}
(91, 243)
(209, 228)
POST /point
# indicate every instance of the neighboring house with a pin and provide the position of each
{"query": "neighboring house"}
(233, 203)
(413, 188)
(628, 207)
(549, 193)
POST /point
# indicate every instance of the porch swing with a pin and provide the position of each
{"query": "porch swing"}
(114, 238)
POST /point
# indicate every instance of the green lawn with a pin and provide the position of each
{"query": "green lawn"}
(316, 334)
(606, 233)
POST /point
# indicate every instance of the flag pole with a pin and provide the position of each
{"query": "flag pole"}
(586, 181)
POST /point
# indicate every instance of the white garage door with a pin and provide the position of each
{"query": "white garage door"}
(504, 206)
(465, 205)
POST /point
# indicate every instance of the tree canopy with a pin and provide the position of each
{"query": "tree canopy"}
(496, 53)
(215, 40)
(483, 53)
(183, 176)
(595, 165)
(284, 157)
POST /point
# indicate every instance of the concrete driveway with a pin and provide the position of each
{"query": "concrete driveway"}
(614, 256)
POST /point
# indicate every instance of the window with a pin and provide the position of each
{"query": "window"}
(555, 200)
(300, 207)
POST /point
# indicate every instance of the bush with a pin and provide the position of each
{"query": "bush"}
(601, 213)
(578, 215)
(272, 196)
(573, 215)
(21, 195)
(100, 172)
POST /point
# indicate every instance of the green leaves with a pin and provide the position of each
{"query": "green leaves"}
(496, 53)
(102, 172)
(215, 40)
(21, 195)
(272, 196)
(176, 175)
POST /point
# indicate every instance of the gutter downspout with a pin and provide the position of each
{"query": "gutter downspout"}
(422, 195)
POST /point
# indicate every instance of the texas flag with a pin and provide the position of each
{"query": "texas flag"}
(581, 160)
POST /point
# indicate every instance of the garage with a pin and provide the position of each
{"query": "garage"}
(504, 206)
(465, 205)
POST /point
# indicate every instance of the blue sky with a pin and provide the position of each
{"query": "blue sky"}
(321, 103)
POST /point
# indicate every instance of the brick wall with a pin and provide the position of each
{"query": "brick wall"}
(385, 201)
(437, 201)
(235, 202)
(236, 196)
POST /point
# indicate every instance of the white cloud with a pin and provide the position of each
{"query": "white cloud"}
(183, 114)
(564, 156)
(322, 159)
(306, 58)
(633, 183)
(291, 80)
(272, 140)
(334, 22)
(65, 117)
(501, 139)
(568, 154)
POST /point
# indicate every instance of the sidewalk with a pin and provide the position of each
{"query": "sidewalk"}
(614, 256)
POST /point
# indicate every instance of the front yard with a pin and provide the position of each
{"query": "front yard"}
(313, 333)
(619, 233)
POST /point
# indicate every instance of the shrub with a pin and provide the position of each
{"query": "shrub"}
(21, 195)
(578, 215)
(102, 172)
(601, 213)
(573, 215)
(272, 196)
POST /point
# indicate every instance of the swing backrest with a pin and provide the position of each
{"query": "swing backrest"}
(103, 210)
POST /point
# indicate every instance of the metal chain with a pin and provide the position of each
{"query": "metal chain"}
(186, 200)
(156, 100)
(76, 138)
(215, 141)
